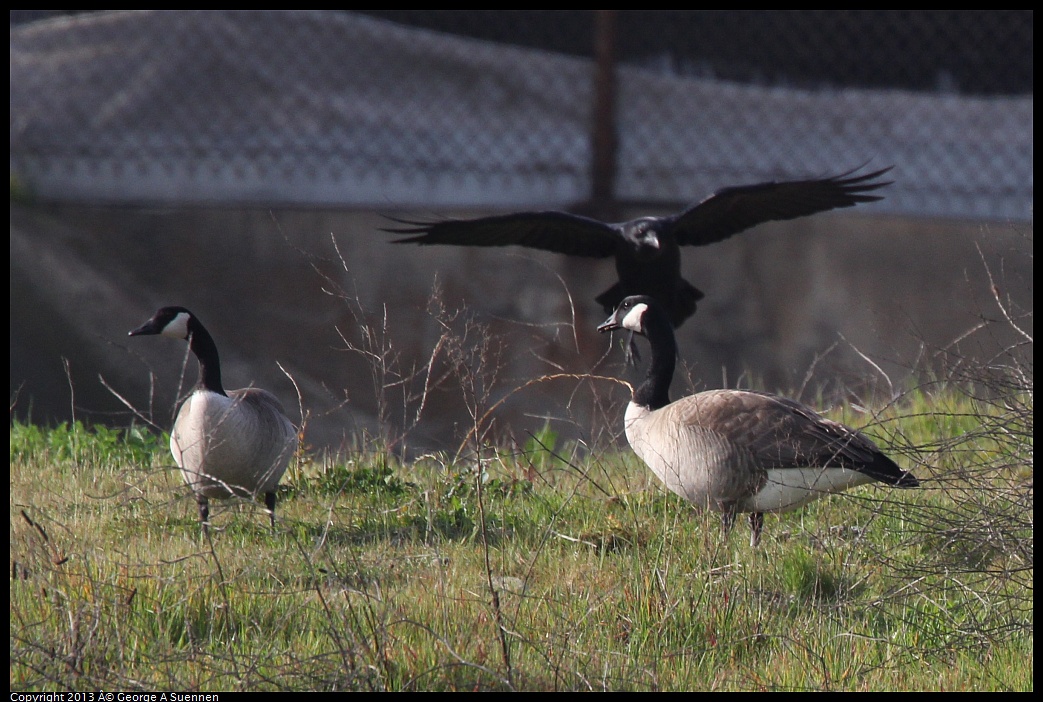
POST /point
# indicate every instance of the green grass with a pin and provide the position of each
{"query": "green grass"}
(535, 569)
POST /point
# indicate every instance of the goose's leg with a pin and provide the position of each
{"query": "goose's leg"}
(204, 512)
(269, 502)
(727, 522)
(756, 525)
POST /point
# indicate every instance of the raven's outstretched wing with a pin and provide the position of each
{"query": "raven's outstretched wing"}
(560, 232)
(732, 210)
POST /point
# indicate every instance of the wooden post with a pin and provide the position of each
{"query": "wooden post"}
(603, 137)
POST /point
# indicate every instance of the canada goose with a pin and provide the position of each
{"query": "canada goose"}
(734, 451)
(647, 249)
(234, 443)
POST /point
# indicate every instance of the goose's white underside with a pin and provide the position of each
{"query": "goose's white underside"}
(790, 488)
(232, 445)
(719, 476)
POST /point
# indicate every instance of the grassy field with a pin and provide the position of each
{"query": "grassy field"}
(539, 567)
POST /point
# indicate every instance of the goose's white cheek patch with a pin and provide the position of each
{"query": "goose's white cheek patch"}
(177, 327)
(632, 320)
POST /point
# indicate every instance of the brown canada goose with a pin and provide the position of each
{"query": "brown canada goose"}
(647, 250)
(734, 451)
(235, 443)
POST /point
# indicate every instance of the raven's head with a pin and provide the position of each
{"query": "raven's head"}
(643, 235)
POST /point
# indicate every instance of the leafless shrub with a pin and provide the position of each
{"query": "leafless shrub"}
(975, 530)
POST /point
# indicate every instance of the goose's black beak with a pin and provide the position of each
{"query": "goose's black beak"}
(148, 327)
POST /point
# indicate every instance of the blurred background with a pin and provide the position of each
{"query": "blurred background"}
(242, 163)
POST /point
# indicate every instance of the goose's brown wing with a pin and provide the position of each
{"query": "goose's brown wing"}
(783, 433)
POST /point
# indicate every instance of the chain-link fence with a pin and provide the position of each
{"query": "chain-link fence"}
(507, 108)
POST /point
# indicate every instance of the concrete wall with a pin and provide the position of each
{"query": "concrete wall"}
(286, 286)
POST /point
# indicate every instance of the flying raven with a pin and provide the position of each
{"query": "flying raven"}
(647, 249)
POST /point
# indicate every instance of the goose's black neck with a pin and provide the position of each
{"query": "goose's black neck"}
(654, 392)
(203, 346)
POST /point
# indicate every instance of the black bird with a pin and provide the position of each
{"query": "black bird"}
(647, 249)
